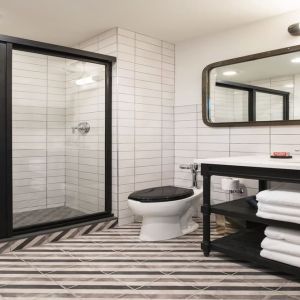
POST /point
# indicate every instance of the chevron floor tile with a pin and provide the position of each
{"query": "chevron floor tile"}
(115, 264)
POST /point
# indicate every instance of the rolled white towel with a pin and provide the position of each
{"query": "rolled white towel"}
(280, 197)
(281, 246)
(284, 258)
(278, 217)
(279, 209)
(285, 234)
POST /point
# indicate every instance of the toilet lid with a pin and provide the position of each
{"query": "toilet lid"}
(161, 194)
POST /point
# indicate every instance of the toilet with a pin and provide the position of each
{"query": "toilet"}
(167, 211)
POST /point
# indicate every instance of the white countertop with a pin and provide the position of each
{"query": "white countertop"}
(254, 161)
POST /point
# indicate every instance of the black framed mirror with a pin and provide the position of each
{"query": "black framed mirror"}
(254, 90)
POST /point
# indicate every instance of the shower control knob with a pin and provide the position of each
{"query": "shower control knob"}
(186, 166)
(83, 128)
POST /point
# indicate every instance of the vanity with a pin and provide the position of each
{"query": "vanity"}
(261, 89)
(245, 244)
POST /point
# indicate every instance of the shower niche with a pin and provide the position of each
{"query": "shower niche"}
(56, 127)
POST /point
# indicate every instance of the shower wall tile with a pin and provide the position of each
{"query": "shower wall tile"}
(38, 144)
(52, 166)
(56, 120)
(85, 153)
(86, 183)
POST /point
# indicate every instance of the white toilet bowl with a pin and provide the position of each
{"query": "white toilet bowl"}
(166, 219)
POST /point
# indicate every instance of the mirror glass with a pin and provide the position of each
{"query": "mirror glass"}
(265, 89)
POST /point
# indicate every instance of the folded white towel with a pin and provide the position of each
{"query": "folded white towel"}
(285, 234)
(281, 246)
(284, 258)
(280, 197)
(279, 209)
(285, 218)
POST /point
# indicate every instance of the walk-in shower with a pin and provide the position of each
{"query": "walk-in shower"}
(55, 131)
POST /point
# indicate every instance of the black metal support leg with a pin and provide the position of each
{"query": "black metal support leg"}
(206, 215)
(262, 185)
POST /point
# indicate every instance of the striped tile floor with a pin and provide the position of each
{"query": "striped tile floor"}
(114, 264)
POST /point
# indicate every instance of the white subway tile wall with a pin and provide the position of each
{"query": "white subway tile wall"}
(38, 131)
(51, 161)
(85, 153)
(143, 112)
(193, 139)
(151, 136)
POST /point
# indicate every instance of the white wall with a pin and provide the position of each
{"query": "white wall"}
(193, 139)
(193, 55)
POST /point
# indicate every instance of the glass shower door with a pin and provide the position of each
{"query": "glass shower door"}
(58, 132)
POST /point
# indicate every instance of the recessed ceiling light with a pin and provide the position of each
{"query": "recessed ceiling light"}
(85, 80)
(289, 85)
(229, 73)
(296, 60)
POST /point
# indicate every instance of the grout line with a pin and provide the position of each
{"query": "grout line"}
(134, 115)
(229, 133)
(47, 99)
(65, 150)
(161, 118)
(116, 88)
(197, 123)
(270, 140)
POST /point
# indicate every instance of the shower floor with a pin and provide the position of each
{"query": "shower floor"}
(46, 215)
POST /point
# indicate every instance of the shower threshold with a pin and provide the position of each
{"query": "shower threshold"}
(38, 216)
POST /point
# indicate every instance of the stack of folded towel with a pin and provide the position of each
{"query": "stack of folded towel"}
(282, 244)
(279, 204)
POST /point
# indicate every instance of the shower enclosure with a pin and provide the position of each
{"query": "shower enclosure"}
(55, 134)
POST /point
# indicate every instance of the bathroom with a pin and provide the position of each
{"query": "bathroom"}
(119, 107)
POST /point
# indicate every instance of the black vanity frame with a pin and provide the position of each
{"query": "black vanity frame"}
(206, 83)
(7, 45)
(252, 89)
(245, 244)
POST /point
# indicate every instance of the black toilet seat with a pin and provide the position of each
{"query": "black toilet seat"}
(161, 194)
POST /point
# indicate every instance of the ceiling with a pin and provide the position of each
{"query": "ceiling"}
(68, 22)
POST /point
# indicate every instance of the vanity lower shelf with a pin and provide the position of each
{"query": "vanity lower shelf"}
(240, 209)
(245, 245)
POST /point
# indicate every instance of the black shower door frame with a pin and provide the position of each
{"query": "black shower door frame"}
(7, 45)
